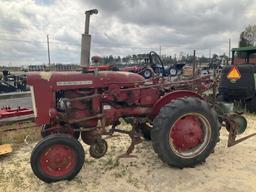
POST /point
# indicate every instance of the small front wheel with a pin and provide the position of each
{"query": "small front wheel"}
(98, 149)
(57, 157)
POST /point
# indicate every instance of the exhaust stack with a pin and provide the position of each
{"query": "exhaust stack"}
(86, 40)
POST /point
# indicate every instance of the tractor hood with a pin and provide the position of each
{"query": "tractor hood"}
(44, 85)
(74, 80)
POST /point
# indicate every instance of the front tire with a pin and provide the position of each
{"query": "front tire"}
(185, 132)
(57, 157)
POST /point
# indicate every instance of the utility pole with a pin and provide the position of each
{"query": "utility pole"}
(210, 55)
(229, 48)
(48, 46)
(160, 50)
(194, 64)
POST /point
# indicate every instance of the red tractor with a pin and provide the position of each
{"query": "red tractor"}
(182, 124)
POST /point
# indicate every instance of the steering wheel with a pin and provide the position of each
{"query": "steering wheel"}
(155, 60)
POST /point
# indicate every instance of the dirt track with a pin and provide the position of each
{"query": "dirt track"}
(228, 169)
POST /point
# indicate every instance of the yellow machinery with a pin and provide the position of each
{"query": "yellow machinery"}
(5, 148)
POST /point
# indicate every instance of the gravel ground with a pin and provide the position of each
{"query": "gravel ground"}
(228, 169)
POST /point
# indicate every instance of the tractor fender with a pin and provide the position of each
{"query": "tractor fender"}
(170, 97)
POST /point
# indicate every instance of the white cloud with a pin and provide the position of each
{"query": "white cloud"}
(122, 27)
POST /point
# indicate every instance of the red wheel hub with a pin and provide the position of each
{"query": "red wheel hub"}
(187, 133)
(58, 160)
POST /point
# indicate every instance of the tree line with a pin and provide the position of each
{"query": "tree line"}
(140, 59)
(248, 37)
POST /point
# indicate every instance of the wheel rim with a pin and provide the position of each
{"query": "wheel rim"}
(58, 160)
(173, 72)
(98, 149)
(190, 135)
(147, 73)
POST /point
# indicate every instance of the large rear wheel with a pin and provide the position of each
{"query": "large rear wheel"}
(57, 157)
(185, 132)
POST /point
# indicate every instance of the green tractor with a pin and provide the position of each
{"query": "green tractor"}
(238, 80)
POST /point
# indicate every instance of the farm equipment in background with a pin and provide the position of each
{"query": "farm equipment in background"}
(8, 114)
(13, 83)
(182, 122)
(242, 86)
(154, 67)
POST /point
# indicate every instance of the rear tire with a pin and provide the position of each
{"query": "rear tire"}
(185, 132)
(57, 157)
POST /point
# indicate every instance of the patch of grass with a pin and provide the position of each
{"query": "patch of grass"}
(16, 133)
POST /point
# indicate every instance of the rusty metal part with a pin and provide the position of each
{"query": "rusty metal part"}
(58, 128)
(232, 127)
(90, 137)
(135, 139)
(112, 130)
(232, 138)
(85, 119)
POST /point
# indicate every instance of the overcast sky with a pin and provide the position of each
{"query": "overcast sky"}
(122, 27)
